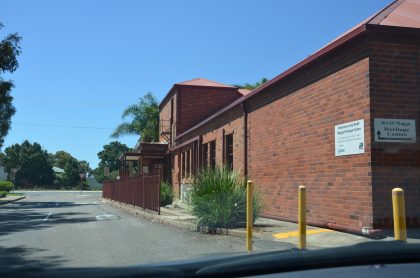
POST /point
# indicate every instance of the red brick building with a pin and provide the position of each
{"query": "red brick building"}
(344, 122)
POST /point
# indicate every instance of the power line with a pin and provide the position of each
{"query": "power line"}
(62, 126)
(30, 101)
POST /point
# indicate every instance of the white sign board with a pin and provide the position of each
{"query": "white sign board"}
(395, 130)
(350, 138)
(146, 169)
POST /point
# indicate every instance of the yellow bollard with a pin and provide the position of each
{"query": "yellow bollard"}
(249, 195)
(302, 217)
(398, 206)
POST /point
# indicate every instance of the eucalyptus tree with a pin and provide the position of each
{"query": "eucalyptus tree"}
(9, 50)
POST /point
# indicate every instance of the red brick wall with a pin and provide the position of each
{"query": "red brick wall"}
(395, 93)
(197, 103)
(175, 172)
(291, 142)
(165, 117)
(235, 127)
(291, 136)
(231, 122)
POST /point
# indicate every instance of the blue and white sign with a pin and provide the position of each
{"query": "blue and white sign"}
(395, 130)
(350, 138)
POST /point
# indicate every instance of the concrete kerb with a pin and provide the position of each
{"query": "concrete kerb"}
(150, 215)
(156, 218)
(10, 199)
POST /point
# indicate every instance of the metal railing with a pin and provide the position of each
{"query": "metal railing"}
(140, 191)
(165, 130)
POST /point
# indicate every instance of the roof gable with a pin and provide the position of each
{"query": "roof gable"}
(203, 82)
(198, 82)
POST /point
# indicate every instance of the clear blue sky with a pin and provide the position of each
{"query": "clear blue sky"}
(83, 62)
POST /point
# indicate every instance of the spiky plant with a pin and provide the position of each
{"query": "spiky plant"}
(218, 199)
(166, 194)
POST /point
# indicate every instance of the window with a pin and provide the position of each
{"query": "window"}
(212, 158)
(188, 166)
(229, 151)
(205, 155)
(183, 164)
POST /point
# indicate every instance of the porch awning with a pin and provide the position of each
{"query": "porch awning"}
(153, 150)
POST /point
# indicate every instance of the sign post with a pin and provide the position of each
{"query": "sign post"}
(81, 175)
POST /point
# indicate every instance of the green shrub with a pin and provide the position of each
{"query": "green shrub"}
(85, 185)
(218, 199)
(166, 194)
(113, 175)
(6, 186)
(3, 194)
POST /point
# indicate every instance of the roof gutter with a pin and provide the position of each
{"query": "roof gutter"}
(320, 53)
(196, 138)
(245, 134)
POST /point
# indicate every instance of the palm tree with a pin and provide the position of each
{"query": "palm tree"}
(144, 120)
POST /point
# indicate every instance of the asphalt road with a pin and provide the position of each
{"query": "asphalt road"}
(70, 229)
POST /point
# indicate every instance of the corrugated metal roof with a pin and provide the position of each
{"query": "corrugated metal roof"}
(400, 13)
(203, 82)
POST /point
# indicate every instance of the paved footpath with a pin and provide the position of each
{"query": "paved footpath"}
(70, 229)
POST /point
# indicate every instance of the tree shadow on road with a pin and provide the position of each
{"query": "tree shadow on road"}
(24, 216)
(20, 258)
(40, 205)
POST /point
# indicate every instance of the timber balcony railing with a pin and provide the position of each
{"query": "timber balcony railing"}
(140, 191)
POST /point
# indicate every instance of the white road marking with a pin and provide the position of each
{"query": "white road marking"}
(105, 216)
(48, 216)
